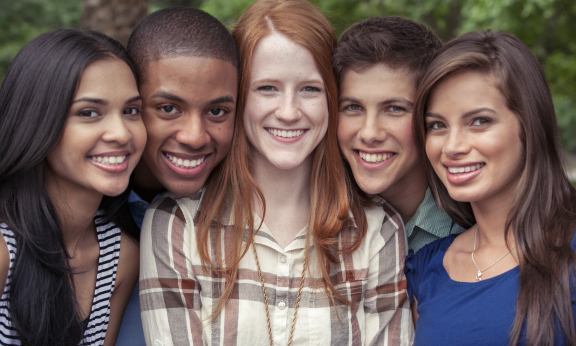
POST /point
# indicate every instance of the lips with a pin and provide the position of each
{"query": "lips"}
(374, 157)
(285, 133)
(465, 169)
(463, 174)
(114, 162)
(109, 160)
(184, 163)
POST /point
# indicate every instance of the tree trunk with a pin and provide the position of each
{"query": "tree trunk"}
(115, 18)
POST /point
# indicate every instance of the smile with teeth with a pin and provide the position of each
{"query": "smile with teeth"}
(466, 169)
(284, 133)
(109, 160)
(374, 158)
(185, 163)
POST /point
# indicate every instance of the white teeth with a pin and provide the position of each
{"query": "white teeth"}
(285, 134)
(374, 158)
(456, 170)
(184, 163)
(109, 160)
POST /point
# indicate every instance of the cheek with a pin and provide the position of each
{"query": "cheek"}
(433, 149)
(140, 137)
(221, 135)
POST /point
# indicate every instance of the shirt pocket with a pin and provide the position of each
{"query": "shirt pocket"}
(335, 323)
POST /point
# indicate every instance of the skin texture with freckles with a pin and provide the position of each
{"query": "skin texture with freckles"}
(286, 93)
(189, 109)
(468, 123)
(375, 118)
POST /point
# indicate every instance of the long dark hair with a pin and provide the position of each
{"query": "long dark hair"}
(34, 101)
(543, 215)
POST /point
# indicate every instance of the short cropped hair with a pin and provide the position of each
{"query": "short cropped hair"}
(180, 31)
(394, 41)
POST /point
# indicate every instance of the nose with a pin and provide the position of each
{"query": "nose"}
(372, 129)
(193, 131)
(117, 130)
(455, 144)
(288, 110)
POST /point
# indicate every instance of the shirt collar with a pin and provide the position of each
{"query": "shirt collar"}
(429, 218)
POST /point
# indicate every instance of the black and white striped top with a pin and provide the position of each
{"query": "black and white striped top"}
(109, 241)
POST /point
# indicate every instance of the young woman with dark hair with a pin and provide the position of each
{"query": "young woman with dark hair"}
(485, 118)
(70, 135)
(277, 249)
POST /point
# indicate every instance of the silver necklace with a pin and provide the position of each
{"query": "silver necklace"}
(479, 276)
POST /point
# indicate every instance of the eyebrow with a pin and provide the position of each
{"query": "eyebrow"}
(382, 103)
(273, 80)
(134, 99)
(222, 99)
(169, 96)
(165, 95)
(465, 115)
(91, 100)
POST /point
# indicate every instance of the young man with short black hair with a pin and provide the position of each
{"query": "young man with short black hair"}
(187, 67)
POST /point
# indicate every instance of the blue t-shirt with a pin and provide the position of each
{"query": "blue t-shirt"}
(462, 313)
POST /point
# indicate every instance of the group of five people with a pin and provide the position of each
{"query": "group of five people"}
(286, 185)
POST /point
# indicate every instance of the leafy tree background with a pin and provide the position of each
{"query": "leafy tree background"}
(548, 27)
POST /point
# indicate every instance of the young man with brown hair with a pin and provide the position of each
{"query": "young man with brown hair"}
(378, 62)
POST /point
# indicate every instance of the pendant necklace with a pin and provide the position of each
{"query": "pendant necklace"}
(266, 297)
(479, 276)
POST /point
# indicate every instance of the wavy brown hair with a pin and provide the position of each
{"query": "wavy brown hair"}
(543, 215)
(233, 185)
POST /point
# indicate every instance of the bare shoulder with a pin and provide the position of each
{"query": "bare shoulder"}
(4, 263)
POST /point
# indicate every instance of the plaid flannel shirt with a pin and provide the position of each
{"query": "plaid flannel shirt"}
(177, 293)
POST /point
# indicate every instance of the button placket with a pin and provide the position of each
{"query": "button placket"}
(281, 302)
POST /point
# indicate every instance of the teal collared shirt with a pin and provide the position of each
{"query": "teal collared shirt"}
(429, 223)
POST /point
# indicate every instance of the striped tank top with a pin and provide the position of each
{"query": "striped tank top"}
(97, 323)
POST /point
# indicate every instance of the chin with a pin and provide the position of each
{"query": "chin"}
(184, 189)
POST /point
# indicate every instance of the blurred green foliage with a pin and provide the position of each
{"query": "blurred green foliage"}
(546, 26)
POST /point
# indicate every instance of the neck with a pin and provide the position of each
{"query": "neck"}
(287, 196)
(491, 216)
(144, 183)
(75, 209)
(283, 188)
(407, 194)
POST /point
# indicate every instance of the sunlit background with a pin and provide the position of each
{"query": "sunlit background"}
(548, 27)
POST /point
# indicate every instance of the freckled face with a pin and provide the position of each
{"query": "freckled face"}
(104, 134)
(473, 139)
(286, 112)
(375, 129)
(189, 109)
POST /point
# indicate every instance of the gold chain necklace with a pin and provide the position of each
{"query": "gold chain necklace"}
(479, 276)
(266, 297)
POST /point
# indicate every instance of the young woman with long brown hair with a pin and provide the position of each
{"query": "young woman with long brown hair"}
(277, 249)
(484, 116)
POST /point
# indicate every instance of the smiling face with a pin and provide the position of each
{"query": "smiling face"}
(189, 108)
(286, 112)
(375, 129)
(104, 134)
(473, 139)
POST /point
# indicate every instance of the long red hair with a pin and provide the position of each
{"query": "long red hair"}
(232, 185)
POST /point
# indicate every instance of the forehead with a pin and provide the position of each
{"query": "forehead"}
(378, 79)
(110, 76)
(190, 75)
(276, 52)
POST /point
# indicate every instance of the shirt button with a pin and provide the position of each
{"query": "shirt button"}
(283, 259)
(281, 305)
